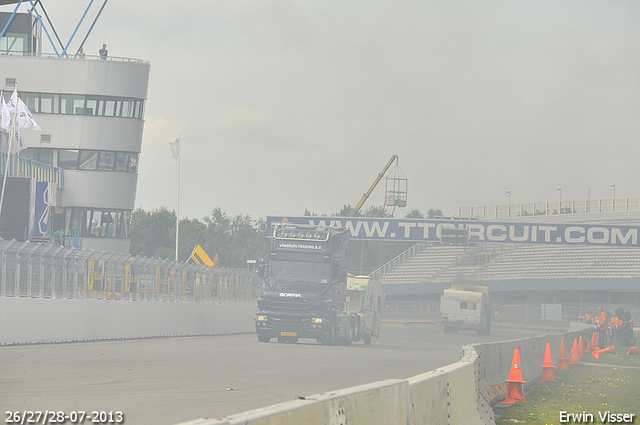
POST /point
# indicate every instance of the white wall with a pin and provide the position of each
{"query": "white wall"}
(32, 320)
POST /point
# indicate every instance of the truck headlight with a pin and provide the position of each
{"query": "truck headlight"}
(317, 320)
(261, 318)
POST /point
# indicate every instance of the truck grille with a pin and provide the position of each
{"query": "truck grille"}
(292, 305)
(290, 322)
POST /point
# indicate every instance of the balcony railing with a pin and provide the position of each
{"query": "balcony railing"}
(17, 166)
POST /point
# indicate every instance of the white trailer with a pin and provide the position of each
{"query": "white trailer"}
(364, 304)
(466, 307)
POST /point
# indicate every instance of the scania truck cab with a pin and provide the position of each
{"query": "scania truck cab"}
(304, 291)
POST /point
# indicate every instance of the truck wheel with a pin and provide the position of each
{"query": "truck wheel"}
(331, 338)
(264, 338)
(356, 331)
(347, 339)
(367, 339)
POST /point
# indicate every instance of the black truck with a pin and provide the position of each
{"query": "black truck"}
(304, 291)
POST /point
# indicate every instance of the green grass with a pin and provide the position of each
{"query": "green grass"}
(582, 388)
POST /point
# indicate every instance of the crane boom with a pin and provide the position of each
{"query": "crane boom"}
(373, 186)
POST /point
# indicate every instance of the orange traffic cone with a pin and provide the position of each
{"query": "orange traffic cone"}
(594, 341)
(611, 349)
(633, 350)
(534, 345)
(548, 367)
(574, 357)
(588, 346)
(515, 389)
(580, 347)
(562, 360)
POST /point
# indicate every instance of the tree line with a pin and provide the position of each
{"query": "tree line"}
(236, 239)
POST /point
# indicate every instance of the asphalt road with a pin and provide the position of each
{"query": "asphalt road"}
(172, 380)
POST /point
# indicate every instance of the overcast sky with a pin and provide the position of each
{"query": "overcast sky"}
(284, 106)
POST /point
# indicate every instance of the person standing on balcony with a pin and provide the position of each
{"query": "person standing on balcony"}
(104, 53)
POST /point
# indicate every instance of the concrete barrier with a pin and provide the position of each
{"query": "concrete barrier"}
(33, 320)
(381, 402)
(459, 394)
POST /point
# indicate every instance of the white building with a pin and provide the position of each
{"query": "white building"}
(91, 111)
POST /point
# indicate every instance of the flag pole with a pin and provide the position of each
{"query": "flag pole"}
(7, 164)
(178, 202)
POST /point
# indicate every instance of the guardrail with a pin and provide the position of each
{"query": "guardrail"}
(69, 55)
(461, 393)
(582, 206)
(398, 261)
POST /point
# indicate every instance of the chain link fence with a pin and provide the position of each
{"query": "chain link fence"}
(41, 270)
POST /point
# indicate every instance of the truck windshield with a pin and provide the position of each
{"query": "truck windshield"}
(283, 273)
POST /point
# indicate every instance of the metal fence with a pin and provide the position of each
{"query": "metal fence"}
(41, 270)
(583, 206)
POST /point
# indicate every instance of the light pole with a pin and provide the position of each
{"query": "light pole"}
(613, 185)
(613, 201)
(560, 203)
(509, 204)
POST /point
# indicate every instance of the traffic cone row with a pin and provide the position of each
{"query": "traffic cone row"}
(515, 389)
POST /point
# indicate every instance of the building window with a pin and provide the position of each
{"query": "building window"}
(67, 158)
(98, 223)
(13, 44)
(77, 104)
(90, 160)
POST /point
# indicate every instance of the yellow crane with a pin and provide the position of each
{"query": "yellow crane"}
(365, 196)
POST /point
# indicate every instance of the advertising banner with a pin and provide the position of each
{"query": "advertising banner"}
(396, 229)
(44, 200)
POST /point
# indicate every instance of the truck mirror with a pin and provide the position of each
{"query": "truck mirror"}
(261, 270)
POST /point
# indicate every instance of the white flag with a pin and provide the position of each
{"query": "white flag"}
(175, 147)
(6, 126)
(15, 147)
(5, 110)
(25, 119)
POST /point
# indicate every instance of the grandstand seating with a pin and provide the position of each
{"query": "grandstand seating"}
(498, 262)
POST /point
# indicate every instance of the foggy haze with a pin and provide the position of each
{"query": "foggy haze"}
(283, 106)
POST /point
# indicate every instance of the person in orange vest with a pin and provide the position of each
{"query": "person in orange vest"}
(587, 317)
(603, 326)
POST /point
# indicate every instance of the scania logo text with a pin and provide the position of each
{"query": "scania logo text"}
(289, 294)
